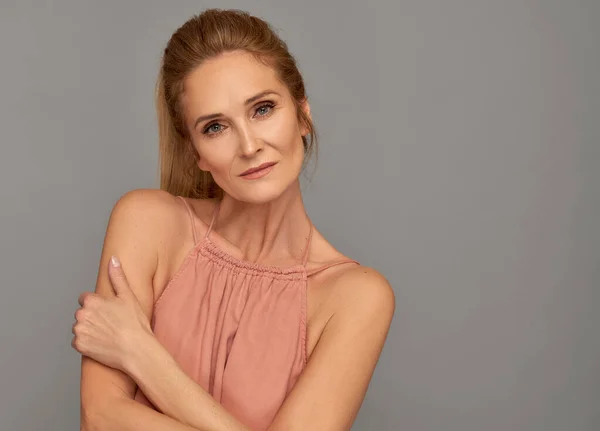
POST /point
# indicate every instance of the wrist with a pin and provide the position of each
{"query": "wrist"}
(139, 353)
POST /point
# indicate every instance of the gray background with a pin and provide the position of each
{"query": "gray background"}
(460, 156)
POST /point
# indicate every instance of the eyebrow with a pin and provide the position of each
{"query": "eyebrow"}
(247, 102)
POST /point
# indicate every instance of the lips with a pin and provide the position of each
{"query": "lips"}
(257, 168)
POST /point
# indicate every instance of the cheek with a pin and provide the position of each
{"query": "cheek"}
(284, 135)
(216, 156)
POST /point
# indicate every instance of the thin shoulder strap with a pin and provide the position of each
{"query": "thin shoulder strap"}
(191, 214)
(329, 265)
(307, 246)
(213, 218)
(324, 267)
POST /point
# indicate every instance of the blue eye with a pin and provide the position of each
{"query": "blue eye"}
(265, 108)
(210, 131)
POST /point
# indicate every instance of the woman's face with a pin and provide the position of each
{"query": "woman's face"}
(240, 118)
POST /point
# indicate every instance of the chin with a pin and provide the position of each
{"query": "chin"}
(260, 194)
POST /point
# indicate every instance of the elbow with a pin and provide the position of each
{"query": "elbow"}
(92, 418)
(99, 415)
(88, 422)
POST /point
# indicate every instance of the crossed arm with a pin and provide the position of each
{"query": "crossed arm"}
(327, 396)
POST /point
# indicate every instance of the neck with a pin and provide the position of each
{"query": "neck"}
(275, 231)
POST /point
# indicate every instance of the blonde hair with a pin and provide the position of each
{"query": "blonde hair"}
(205, 36)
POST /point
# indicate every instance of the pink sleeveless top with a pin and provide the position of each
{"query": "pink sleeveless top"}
(237, 328)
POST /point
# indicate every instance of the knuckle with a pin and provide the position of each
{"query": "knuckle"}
(80, 314)
(89, 301)
(77, 329)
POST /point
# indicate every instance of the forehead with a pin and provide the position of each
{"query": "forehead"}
(226, 81)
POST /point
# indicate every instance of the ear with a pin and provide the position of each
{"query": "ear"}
(305, 106)
(202, 164)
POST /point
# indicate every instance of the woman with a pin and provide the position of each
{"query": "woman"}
(218, 305)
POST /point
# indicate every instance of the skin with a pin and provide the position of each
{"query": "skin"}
(350, 307)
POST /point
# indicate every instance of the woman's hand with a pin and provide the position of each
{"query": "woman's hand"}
(111, 330)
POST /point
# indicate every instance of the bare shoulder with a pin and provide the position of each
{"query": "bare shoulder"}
(140, 225)
(349, 287)
(362, 290)
(146, 228)
(147, 208)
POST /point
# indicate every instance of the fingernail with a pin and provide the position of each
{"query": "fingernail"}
(115, 261)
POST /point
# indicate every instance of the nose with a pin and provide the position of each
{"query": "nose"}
(249, 144)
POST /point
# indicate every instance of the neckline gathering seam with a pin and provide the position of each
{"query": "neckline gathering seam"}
(212, 251)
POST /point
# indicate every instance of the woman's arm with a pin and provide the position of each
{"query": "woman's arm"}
(171, 390)
(133, 233)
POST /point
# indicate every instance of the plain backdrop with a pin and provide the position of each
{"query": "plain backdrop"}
(460, 156)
